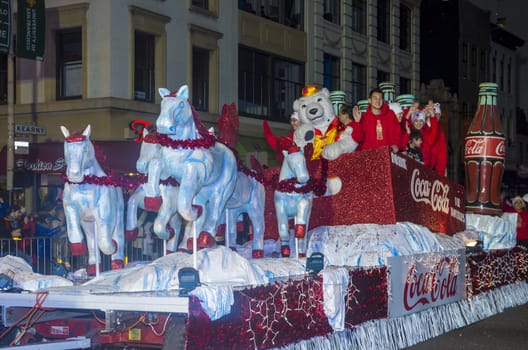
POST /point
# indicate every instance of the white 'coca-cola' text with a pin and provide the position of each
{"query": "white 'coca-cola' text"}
(434, 194)
(430, 286)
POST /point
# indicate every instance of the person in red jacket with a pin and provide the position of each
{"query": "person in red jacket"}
(280, 143)
(379, 124)
(418, 122)
(439, 144)
(519, 207)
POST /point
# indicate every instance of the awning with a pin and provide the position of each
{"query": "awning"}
(48, 157)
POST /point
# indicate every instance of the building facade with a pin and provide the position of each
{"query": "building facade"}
(104, 61)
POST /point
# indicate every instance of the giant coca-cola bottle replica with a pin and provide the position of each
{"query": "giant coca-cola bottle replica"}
(484, 155)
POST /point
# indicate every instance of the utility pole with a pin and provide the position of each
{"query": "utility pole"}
(6, 20)
(10, 123)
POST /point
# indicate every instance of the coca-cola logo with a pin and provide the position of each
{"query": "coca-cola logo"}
(485, 146)
(434, 194)
(425, 287)
(501, 149)
(475, 147)
(40, 166)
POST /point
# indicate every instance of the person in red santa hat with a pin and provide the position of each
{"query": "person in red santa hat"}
(379, 124)
(439, 143)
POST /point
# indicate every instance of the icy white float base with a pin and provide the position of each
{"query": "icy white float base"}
(402, 332)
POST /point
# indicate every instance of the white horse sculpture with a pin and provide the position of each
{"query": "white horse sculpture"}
(150, 163)
(248, 197)
(292, 204)
(205, 169)
(92, 204)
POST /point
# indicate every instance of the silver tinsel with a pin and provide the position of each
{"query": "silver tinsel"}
(402, 332)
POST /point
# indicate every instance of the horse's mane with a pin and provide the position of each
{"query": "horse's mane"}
(200, 127)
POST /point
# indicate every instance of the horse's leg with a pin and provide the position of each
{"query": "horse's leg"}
(175, 224)
(231, 226)
(304, 208)
(302, 219)
(153, 197)
(282, 222)
(118, 236)
(187, 235)
(256, 214)
(166, 211)
(109, 212)
(74, 230)
(192, 180)
(133, 203)
(93, 253)
(220, 191)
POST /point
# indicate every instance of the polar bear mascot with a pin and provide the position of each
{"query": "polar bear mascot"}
(315, 108)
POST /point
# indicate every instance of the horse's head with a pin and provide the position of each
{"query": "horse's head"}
(79, 154)
(294, 165)
(150, 149)
(176, 112)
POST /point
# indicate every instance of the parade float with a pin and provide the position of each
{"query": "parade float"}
(370, 250)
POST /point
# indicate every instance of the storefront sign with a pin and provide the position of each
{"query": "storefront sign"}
(422, 281)
(41, 166)
(29, 129)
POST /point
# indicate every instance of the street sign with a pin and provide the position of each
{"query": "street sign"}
(5, 26)
(21, 146)
(29, 129)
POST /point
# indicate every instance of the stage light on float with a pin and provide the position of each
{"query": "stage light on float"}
(315, 263)
(473, 246)
(188, 279)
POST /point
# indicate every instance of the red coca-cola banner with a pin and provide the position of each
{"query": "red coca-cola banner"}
(418, 282)
(485, 147)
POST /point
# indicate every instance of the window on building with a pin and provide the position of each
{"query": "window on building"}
(383, 16)
(359, 86)
(268, 84)
(382, 76)
(494, 69)
(200, 3)
(144, 79)
(69, 63)
(200, 79)
(331, 72)
(465, 110)
(332, 11)
(509, 80)
(405, 27)
(290, 13)
(501, 75)
(359, 16)
(482, 65)
(465, 55)
(405, 86)
(3, 78)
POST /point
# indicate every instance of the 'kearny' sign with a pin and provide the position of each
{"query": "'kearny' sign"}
(29, 129)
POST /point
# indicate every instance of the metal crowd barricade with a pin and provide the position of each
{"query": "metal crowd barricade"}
(43, 253)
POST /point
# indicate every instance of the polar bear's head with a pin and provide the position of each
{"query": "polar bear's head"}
(315, 109)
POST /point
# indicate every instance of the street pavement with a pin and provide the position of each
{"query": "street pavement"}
(504, 331)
